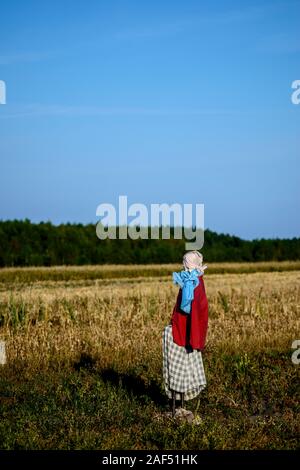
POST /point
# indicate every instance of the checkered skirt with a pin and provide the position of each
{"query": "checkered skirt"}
(183, 371)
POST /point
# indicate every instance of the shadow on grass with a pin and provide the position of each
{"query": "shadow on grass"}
(136, 386)
(132, 383)
(85, 362)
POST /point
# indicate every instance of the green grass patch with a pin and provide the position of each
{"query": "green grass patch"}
(251, 402)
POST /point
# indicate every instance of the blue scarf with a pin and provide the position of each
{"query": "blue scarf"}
(188, 281)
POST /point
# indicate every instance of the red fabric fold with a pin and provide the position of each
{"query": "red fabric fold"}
(191, 329)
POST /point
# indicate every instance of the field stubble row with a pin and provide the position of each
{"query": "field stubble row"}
(120, 322)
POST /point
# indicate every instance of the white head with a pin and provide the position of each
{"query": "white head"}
(193, 260)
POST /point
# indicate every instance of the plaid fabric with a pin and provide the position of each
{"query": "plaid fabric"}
(183, 371)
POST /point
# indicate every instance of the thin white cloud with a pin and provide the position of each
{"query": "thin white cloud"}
(227, 17)
(38, 110)
(282, 43)
(157, 30)
(190, 23)
(21, 57)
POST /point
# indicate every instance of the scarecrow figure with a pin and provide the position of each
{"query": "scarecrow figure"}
(184, 338)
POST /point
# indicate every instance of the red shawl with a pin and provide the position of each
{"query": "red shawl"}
(190, 329)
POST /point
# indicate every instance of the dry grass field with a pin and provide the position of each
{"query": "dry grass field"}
(84, 358)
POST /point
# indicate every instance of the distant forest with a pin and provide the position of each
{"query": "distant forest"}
(23, 243)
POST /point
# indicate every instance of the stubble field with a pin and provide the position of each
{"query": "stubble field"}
(84, 358)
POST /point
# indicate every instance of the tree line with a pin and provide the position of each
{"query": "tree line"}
(23, 243)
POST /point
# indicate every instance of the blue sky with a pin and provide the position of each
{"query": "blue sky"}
(162, 101)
